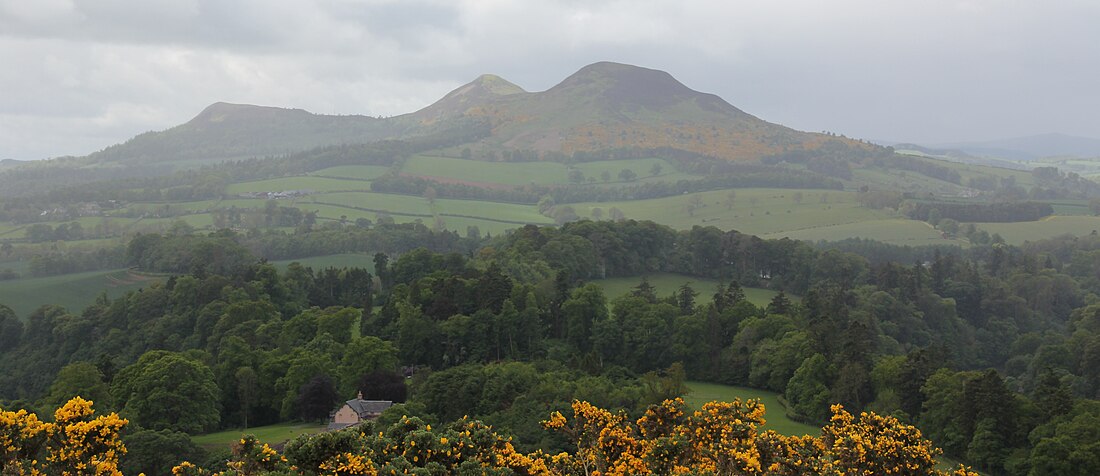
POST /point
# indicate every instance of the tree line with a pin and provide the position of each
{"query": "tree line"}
(515, 330)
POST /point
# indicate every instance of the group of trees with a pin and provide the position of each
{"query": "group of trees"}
(512, 332)
(720, 438)
(933, 212)
(731, 176)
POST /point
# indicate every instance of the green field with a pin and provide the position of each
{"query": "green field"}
(7, 229)
(495, 210)
(668, 283)
(357, 172)
(460, 224)
(511, 173)
(395, 204)
(538, 173)
(898, 231)
(346, 260)
(72, 291)
(316, 184)
(271, 434)
(903, 181)
(776, 416)
(755, 210)
(1071, 207)
(1017, 233)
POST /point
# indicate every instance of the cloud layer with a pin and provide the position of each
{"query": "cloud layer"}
(79, 76)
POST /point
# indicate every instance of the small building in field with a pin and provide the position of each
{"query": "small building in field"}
(357, 411)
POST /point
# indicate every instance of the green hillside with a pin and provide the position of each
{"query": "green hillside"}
(72, 291)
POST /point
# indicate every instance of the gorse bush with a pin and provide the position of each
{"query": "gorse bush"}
(723, 438)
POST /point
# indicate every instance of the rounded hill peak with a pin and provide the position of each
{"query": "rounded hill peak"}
(477, 93)
(221, 111)
(620, 85)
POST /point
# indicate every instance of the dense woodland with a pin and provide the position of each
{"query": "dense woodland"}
(993, 352)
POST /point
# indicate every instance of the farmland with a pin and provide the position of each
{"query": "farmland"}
(668, 283)
(72, 291)
(777, 419)
(341, 195)
(344, 260)
(1017, 233)
(272, 434)
(537, 173)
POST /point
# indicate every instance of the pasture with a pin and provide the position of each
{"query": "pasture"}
(668, 283)
(538, 173)
(271, 434)
(355, 172)
(394, 204)
(303, 182)
(898, 231)
(74, 292)
(521, 214)
(776, 415)
(754, 210)
(344, 260)
(1017, 233)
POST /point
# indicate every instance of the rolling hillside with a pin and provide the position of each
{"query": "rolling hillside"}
(602, 106)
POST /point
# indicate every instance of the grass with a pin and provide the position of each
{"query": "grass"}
(317, 184)
(499, 211)
(776, 417)
(488, 217)
(903, 180)
(539, 173)
(72, 291)
(357, 172)
(6, 230)
(395, 204)
(755, 210)
(1071, 207)
(898, 231)
(271, 434)
(510, 173)
(668, 283)
(460, 224)
(345, 260)
(1017, 233)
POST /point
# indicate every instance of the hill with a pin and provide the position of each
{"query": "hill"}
(1031, 147)
(227, 131)
(602, 106)
(610, 105)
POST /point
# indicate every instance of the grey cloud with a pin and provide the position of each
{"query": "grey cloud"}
(87, 74)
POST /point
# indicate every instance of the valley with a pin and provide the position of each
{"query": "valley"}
(618, 239)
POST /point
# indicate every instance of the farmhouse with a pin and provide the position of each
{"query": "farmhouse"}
(356, 411)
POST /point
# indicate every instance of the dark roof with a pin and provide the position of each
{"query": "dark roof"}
(368, 407)
(338, 426)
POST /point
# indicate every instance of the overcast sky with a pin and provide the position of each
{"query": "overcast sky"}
(79, 75)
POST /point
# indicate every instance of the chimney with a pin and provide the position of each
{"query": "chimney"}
(360, 396)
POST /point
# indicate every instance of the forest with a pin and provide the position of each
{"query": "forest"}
(992, 352)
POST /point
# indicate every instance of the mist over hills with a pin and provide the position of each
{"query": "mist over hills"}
(1025, 148)
(602, 106)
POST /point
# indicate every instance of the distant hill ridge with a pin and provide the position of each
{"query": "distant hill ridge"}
(602, 106)
(1032, 147)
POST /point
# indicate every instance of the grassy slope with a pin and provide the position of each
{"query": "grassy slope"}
(754, 210)
(700, 393)
(500, 211)
(668, 283)
(358, 172)
(345, 260)
(539, 173)
(271, 434)
(1017, 233)
(317, 184)
(899, 231)
(73, 291)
